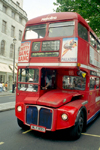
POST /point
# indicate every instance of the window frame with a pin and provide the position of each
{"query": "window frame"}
(12, 31)
(61, 24)
(20, 35)
(4, 26)
(3, 43)
(13, 14)
(4, 9)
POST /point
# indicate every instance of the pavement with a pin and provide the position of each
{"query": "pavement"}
(9, 105)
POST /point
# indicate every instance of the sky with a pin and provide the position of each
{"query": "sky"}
(35, 8)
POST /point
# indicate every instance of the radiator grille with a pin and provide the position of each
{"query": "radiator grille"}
(45, 118)
(31, 115)
(41, 116)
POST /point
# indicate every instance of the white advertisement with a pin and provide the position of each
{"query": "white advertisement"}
(69, 50)
(24, 52)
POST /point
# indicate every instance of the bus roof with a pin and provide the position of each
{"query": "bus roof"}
(56, 17)
(59, 16)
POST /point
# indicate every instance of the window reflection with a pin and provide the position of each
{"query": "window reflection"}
(35, 32)
(28, 75)
(28, 87)
(74, 82)
(61, 29)
(94, 82)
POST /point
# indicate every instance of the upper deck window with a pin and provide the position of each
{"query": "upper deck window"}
(98, 45)
(61, 29)
(35, 32)
(93, 40)
(82, 32)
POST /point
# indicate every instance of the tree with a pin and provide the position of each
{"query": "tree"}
(88, 9)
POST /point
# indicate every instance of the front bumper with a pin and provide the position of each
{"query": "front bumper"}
(48, 118)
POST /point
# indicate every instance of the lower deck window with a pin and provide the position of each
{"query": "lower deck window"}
(28, 87)
(74, 82)
(94, 82)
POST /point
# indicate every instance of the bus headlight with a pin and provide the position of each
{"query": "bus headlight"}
(64, 117)
(19, 108)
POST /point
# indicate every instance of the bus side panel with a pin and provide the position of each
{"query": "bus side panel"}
(97, 99)
(83, 52)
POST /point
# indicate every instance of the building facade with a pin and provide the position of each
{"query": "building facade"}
(12, 22)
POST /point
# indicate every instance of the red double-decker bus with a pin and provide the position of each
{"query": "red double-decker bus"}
(58, 79)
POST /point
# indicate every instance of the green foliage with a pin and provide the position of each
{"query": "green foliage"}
(88, 9)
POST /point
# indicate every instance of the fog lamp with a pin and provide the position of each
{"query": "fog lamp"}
(64, 116)
(19, 108)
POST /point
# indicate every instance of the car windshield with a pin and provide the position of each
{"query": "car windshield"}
(74, 82)
(35, 32)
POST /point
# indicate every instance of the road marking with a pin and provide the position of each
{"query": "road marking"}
(1, 143)
(91, 135)
(26, 131)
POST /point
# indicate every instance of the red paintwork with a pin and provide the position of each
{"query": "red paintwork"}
(31, 100)
(54, 98)
(20, 115)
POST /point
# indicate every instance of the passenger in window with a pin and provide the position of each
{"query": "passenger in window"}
(46, 81)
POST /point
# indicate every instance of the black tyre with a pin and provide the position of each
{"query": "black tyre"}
(21, 124)
(76, 130)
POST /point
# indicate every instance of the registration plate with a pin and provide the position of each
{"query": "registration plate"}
(38, 128)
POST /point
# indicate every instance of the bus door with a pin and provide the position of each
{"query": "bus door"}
(92, 97)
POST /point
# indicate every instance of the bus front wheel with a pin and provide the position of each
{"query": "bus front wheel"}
(76, 130)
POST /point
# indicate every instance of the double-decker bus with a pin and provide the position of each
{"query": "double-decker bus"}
(58, 79)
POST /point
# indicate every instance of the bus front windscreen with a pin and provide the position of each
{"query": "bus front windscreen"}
(35, 32)
(61, 29)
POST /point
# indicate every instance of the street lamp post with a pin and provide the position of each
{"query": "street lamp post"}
(14, 42)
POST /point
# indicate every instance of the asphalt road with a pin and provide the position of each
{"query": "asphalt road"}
(6, 99)
(12, 137)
